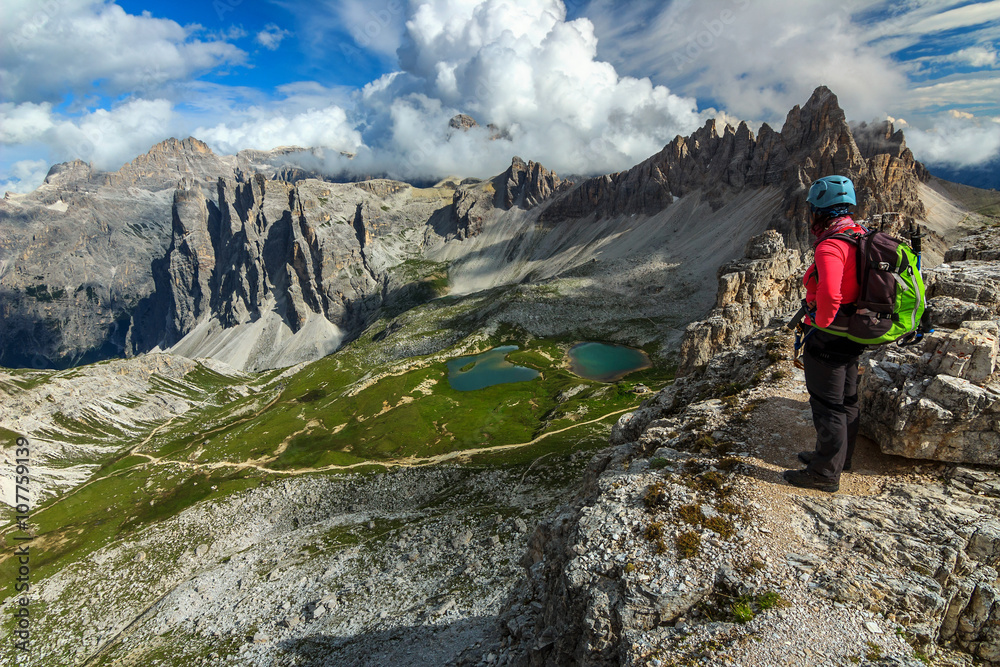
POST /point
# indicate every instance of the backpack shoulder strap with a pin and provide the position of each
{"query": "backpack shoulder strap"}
(855, 237)
(852, 236)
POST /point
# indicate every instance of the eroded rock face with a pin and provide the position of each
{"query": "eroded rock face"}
(75, 258)
(961, 291)
(941, 547)
(298, 251)
(528, 185)
(939, 401)
(815, 141)
(752, 291)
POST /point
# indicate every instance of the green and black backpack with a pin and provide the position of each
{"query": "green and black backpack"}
(891, 303)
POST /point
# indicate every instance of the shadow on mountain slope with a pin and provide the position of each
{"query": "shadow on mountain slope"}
(401, 646)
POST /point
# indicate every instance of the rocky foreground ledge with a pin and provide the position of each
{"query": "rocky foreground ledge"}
(685, 547)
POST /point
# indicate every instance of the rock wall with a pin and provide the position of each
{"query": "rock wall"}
(294, 250)
(752, 291)
(941, 399)
(815, 141)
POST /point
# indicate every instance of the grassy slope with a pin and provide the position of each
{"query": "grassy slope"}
(330, 413)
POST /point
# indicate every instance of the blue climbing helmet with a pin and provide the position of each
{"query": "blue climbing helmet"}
(831, 191)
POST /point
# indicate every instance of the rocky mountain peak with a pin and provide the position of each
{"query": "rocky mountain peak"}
(528, 185)
(170, 160)
(819, 131)
(189, 145)
(462, 122)
(718, 161)
(64, 172)
(880, 137)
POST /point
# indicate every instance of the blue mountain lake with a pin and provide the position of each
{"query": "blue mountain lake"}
(487, 369)
(606, 363)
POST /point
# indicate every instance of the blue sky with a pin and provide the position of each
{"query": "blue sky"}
(583, 86)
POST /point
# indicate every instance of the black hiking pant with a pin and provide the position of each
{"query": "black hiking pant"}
(831, 367)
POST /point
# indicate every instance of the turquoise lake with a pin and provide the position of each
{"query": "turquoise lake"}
(606, 363)
(490, 368)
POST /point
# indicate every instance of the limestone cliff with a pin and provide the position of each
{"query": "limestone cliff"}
(816, 140)
(528, 185)
(282, 254)
(168, 162)
(752, 291)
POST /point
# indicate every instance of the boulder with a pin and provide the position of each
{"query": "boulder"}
(963, 290)
(940, 400)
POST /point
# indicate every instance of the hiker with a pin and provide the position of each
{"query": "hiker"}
(830, 361)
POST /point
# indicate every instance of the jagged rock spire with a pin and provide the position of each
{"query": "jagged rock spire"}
(815, 140)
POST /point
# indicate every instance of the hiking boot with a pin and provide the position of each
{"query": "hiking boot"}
(807, 457)
(806, 479)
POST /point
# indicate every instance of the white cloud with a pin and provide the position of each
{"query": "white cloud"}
(24, 123)
(52, 48)
(374, 26)
(754, 59)
(271, 36)
(976, 56)
(963, 17)
(106, 138)
(265, 129)
(980, 92)
(520, 65)
(956, 138)
(25, 176)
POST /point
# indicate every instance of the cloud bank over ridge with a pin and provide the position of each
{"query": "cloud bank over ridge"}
(518, 64)
(571, 93)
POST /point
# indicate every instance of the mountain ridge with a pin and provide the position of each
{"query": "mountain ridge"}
(133, 211)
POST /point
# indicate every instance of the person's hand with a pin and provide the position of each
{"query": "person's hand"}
(811, 305)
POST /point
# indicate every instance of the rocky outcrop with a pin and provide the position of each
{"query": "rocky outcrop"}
(528, 185)
(815, 140)
(463, 122)
(680, 542)
(939, 546)
(752, 291)
(471, 207)
(939, 401)
(963, 291)
(170, 161)
(983, 246)
(70, 174)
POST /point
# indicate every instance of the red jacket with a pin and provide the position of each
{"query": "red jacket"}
(832, 279)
